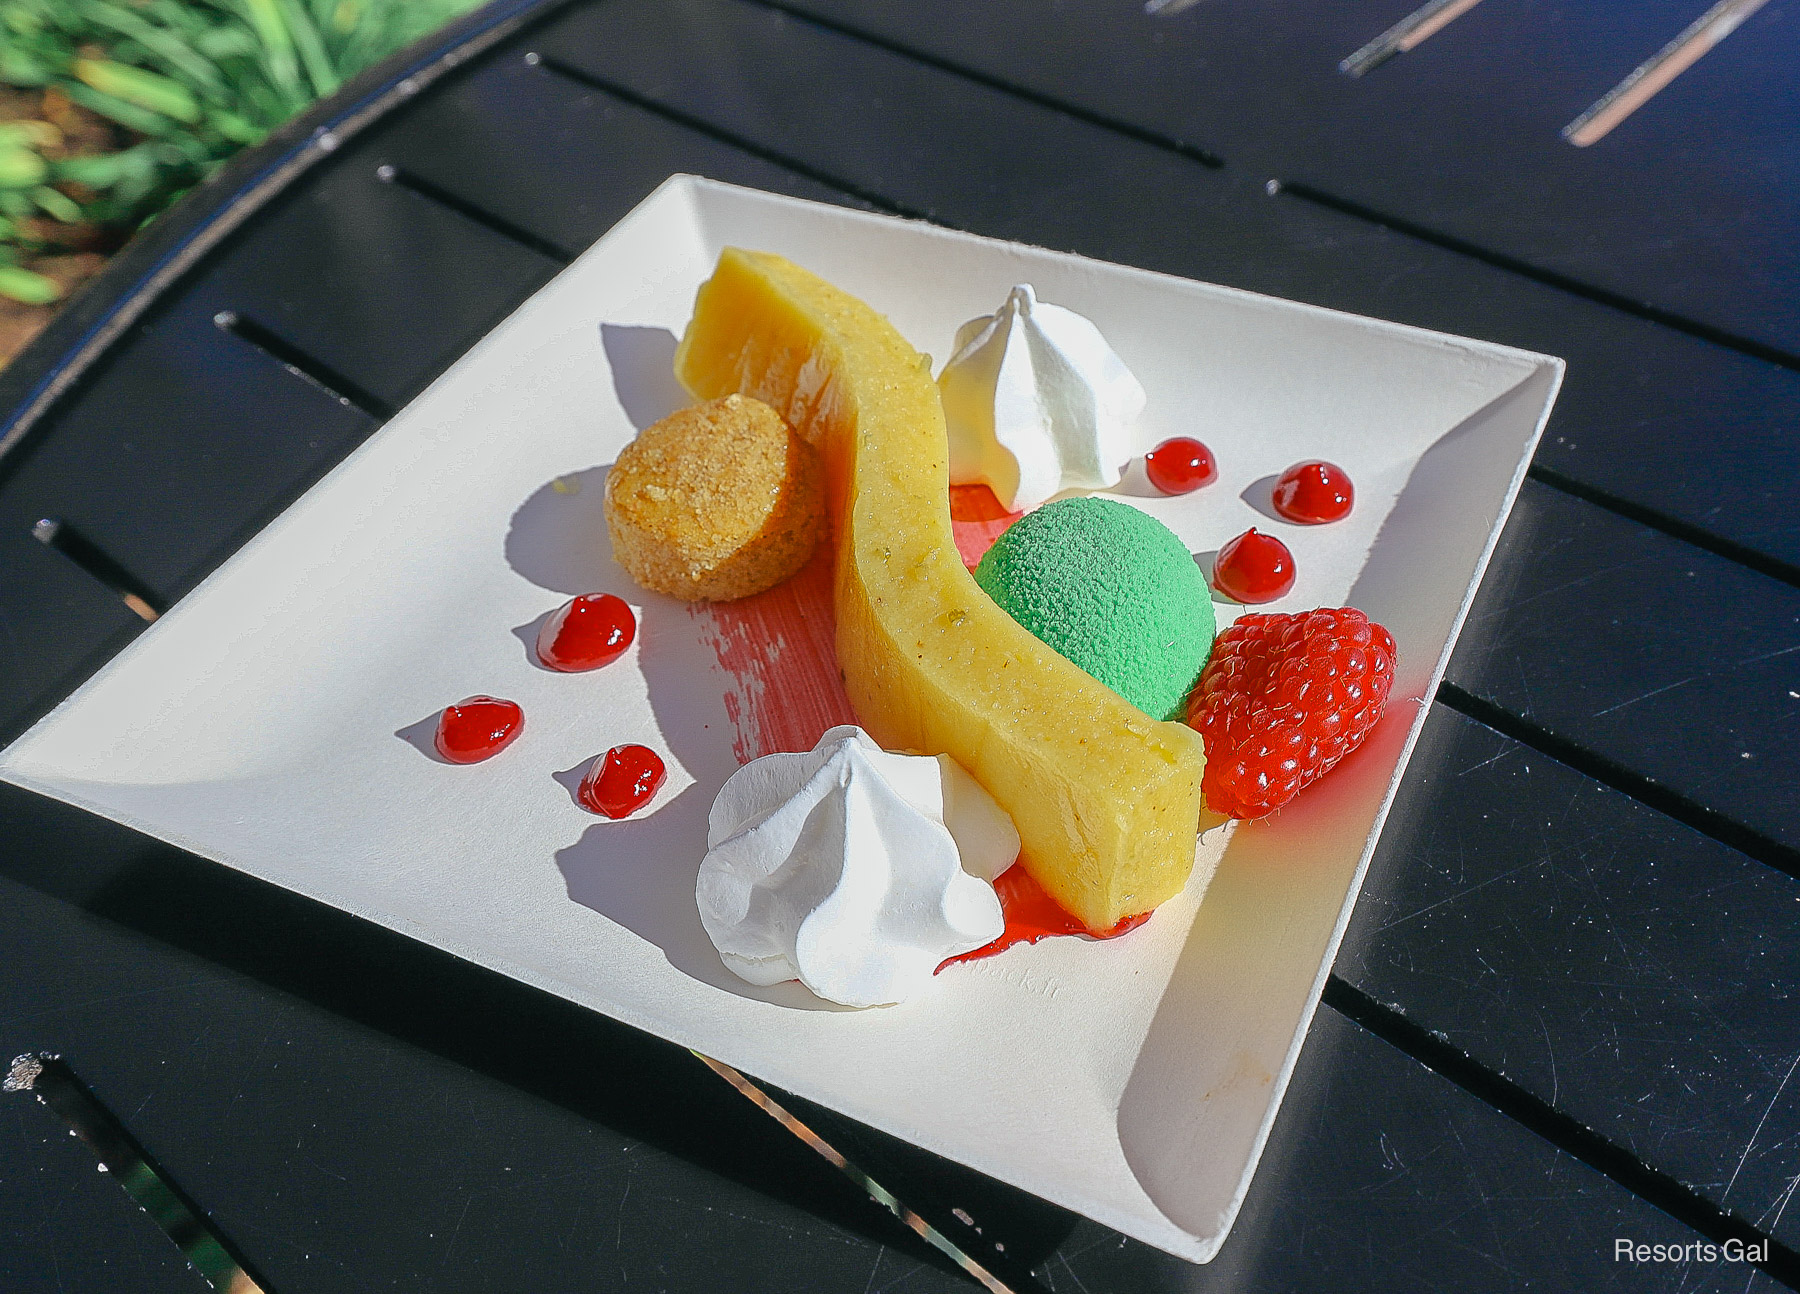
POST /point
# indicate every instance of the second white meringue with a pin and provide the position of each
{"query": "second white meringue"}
(853, 870)
(1036, 402)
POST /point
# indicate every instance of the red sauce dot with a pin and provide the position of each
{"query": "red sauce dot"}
(1314, 493)
(1254, 568)
(586, 633)
(622, 781)
(1180, 465)
(478, 728)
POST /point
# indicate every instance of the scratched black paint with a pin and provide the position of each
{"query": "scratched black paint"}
(1689, 205)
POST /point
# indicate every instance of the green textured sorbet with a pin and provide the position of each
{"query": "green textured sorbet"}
(1113, 590)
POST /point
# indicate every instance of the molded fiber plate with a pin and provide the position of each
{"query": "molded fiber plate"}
(278, 719)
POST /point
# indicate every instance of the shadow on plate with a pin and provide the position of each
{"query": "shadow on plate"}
(1135, 482)
(643, 370)
(1260, 495)
(422, 737)
(628, 872)
(1211, 1061)
(640, 872)
(527, 634)
(557, 539)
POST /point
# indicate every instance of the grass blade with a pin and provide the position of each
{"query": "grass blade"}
(126, 114)
(175, 53)
(26, 287)
(20, 168)
(312, 49)
(141, 88)
(58, 206)
(278, 49)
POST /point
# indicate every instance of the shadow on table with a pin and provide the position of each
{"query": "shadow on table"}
(602, 1070)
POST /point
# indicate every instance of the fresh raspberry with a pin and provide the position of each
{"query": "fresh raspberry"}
(1283, 699)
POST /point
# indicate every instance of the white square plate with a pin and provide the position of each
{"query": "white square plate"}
(278, 719)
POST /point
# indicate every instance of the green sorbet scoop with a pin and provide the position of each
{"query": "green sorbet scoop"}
(1113, 590)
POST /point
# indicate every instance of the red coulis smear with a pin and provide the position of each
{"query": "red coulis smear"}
(778, 649)
(977, 519)
(1031, 915)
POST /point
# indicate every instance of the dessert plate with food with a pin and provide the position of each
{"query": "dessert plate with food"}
(989, 747)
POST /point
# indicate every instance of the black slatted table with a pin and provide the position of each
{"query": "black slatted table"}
(1565, 1013)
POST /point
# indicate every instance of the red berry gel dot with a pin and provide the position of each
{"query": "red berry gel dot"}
(1314, 493)
(478, 728)
(586, 633)
(1180, 465)
(622, 781)
(1254, 568)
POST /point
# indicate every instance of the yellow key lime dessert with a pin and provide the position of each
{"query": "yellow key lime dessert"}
(1105, 798)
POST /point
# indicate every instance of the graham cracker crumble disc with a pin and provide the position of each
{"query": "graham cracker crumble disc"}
(716, 501)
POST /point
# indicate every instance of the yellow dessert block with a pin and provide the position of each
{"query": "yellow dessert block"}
(1106, 799)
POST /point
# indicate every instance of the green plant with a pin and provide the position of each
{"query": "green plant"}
(189, 81)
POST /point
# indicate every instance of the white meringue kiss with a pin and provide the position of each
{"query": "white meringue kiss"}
(1037, 403)
(852, 870)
